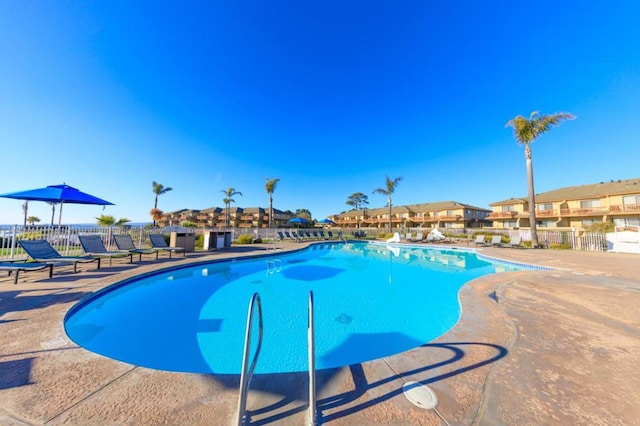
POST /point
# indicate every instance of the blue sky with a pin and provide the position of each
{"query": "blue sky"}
(328, 96)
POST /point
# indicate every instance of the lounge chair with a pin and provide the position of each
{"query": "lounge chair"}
(324, 237)
(280, 235)
(418, 237)
(480, 240)
(330, 235)
(514, 242)
(41, 251)
(125, 242)
(24, 266)
(93, 246)
(496, 241)
(158, 242)
(295, 236)
(315, 234)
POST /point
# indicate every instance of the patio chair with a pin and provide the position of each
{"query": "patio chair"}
(480, 240)
(158, 242)
(24, 266)
(125, 242)
(514, 242)
(496, 241)
(418, 237)
(41, 251)
(93, 246)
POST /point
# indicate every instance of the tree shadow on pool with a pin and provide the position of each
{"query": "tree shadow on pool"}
(293, 387)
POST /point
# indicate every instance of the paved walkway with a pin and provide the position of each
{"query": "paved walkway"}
(532, 347)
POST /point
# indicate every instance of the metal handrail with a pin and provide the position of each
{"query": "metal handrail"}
(247, 374)
(312, 415)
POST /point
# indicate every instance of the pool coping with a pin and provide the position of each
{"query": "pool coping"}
(66, 384)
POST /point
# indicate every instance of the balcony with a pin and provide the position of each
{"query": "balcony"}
(589, 211)
(545, 213)
(502, 215)
(625, 209)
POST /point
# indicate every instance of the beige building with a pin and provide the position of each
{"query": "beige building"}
(617, 202)
(214, 217)
(443, 214)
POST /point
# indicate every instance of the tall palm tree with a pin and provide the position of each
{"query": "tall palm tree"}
(158, 189)
(270, 186)
(525, 131)
(227, 200)
(390, 188)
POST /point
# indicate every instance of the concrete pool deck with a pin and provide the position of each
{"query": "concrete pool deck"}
(532, 347)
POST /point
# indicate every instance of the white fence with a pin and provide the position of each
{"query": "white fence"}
(65, 238)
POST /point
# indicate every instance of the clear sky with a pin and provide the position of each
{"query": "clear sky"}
(329, 96)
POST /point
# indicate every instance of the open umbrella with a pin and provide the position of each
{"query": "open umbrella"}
(327, 221)
(57, 194)
(298, 220)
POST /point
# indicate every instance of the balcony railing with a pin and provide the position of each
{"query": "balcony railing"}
(586, 211)
(502, 215)
(625, 208)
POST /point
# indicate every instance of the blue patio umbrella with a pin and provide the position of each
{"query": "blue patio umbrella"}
(326, 221)
(298, 220)
(57, 194)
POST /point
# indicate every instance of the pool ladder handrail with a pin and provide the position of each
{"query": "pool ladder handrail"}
(312, 419)
(245, 377)
(247, 373)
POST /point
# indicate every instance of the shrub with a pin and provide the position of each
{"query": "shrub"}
(384, 236)
(245, 239)
(563, 246)
(199, 244)
(603, 227)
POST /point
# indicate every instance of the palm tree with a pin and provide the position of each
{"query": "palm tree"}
(227, 200)
(158, 189)
(33, 219)
(391, 186)
(270, 186)
(525, 131)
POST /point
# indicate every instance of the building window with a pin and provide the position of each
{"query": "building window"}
(545, 206)
(586, 204)
(588, 222)
(510, 223)
(627, 221)
(506, 209)
(450, 213)
(631, 200)
(545, 223)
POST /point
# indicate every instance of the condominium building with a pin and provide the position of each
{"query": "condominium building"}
(617, 202)
(443, 214)
(216, 217)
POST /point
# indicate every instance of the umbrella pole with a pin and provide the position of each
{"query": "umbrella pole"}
(25, 208)
(53, 212)
(60, 214)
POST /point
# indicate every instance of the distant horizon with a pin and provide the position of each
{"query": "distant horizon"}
(328, 97)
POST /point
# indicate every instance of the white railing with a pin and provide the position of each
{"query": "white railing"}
(65, 238)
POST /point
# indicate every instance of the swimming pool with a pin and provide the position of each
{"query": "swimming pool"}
(370, 301)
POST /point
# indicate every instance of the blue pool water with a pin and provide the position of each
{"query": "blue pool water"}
(370, 301)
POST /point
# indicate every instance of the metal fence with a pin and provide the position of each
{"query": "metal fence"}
(65, 238)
